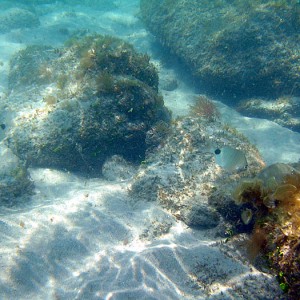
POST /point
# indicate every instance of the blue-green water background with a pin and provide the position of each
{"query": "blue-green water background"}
(64, 246)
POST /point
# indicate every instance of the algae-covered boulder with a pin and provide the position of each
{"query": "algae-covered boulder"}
(15, 182)
(116, 168)
(285, 110)
(83, 103)
(183, 172)
(235, 48)
(269, 208)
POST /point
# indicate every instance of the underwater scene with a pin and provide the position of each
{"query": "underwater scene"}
(150, 149)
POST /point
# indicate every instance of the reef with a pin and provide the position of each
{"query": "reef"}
(82, 103)
(236, 49)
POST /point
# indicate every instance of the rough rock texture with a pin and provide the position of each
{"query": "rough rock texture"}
(17, 18)
(235, 48)
(116, 168)
(14, 178)
(84, 103)
(269, 209)
(182, 173)
(285, 111)
(201, 215)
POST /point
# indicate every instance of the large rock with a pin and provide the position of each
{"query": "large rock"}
(235, 48)
(183, 172)
(83, 103)
(285, 111)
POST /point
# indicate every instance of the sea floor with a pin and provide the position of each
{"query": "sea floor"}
(84, 238)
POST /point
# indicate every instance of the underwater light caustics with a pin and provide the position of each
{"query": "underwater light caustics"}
(231, 159)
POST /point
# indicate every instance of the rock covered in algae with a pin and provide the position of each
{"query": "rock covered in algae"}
(182, 173)
(15, 182)
(285, 110)
(235, 48)
(116, 168)
(270, 210)
(78, 105)
(201, 216)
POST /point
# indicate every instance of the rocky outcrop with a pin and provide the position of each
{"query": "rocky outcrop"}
(285, 111)
(83, 103)
(183, 173)
(234, 48)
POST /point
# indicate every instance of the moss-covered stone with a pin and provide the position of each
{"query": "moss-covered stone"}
(31, 66)
(235, 48)
(285, 110)
(100, 99)
(182, 174)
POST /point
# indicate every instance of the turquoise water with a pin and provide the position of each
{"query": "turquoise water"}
(106, 175)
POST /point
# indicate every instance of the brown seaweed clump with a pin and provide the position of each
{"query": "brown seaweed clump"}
(205, 108)
(274, 199)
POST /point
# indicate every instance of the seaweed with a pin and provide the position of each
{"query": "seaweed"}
(105, 82)
(275, 202)
(104, 53)
(205, 108)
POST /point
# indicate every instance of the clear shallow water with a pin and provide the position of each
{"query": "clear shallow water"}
(82, 238)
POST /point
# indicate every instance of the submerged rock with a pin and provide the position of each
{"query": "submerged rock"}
(199, 215)
(15, 182)
(116, 168)
(99, 4)
(235, 48)
(182, 173)
(83, 103)
(285, 110)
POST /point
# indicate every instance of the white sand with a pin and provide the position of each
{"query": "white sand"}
(82, 239)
